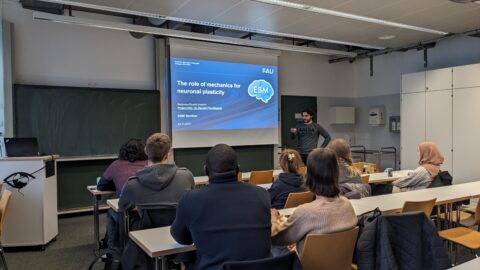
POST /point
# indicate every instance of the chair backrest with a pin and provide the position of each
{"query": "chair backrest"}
(421, 206)
(365, 178)
(240, 176)
(295, 199)
(303, 170)
(359, 165)
(4, 202)
(477, 213)
(156, 215)
(261, 177)
(329, 251)
(283, 262)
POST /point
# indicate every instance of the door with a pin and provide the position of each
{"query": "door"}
(412, 131)
(292, 107)
(439, 123)
(466, 133)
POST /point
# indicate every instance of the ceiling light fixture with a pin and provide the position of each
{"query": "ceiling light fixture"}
(387, 37)
(182, 34)
(349, 16)
(211, 24)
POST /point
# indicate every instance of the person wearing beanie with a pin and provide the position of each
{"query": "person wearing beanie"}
(227, 220)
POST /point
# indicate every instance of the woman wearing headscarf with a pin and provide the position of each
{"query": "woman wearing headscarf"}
(430, 160)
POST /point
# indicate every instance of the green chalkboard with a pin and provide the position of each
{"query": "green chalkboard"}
(72, 121)
(250, 158)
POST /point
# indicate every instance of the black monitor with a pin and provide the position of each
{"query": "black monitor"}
(21, 147)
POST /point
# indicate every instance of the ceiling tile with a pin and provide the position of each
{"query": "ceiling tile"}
(245, 12)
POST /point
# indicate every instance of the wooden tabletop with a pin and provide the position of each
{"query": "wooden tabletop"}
(158, 242)
(93, 190)
(203, 180)
(113, 203)
(381, 178)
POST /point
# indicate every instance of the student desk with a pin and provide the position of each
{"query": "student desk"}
(470, 265)
(97, 196)
(382, 178)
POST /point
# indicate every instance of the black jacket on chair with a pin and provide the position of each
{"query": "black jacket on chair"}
(401, 241)
(284, 185)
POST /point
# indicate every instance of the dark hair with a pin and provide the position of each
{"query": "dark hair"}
(221, 160)
(309, 111)
(132, 151)
(322, 173)
(290, 161)
(158, 145)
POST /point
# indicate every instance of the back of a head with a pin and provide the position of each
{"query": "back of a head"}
(342, 149)
(158, 146)
(290, 161)
(221, 161)
(430, 154)
(132, 151)
(322, 173)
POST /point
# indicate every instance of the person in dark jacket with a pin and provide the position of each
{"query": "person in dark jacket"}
(160, 183)
(401, 241)
(290, 180)
(227, 220)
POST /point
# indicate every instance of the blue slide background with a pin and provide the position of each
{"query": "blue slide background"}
(240, 110)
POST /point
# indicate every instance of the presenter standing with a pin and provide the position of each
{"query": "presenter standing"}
(308, 133)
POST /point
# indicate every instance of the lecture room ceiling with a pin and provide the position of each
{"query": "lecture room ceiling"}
(440, 15)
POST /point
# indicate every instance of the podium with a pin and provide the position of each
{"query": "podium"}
(31, 218)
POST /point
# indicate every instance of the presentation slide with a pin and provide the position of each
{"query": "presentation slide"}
(215, 95)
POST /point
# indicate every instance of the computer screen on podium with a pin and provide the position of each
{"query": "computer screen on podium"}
(21, 147)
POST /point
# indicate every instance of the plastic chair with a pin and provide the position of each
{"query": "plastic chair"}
(261, 177)
(462, 236)
(421, 206)
(283, 262)
(295, 199)
(4, 202)
(329, 251)
(365, 178)
(359, 165)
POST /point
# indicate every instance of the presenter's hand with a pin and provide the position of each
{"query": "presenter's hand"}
(293, 130)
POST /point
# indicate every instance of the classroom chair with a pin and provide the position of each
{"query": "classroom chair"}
(283, 262)
(4, 202)
(421, 206)
(462, 236)
(295, 199)
(359, 165)
(468, 218)
(365, 178)
(329, 251)
(303, 171)
(240, 176)
(261, 177)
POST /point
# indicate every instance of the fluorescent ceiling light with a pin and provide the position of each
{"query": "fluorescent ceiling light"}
(387, 37)
(183, 34)
(212, 24)
(349, 16)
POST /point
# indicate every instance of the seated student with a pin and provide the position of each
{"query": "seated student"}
(329, 213)
(349, 176)
(290, 180)
(130, 159)
(158, 183)
(228, 220)
(430, 160)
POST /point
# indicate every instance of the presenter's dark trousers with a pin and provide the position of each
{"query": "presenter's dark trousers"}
(304, 158)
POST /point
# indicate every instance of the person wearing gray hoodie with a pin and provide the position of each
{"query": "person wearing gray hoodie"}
(159, 182)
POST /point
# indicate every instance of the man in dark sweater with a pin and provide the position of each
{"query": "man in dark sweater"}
(308, 133)
(227, 220)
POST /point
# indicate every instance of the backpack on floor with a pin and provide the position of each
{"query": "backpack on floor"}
(110, 257)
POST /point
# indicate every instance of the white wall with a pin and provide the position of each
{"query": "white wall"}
(48, 53)
(389, 68)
